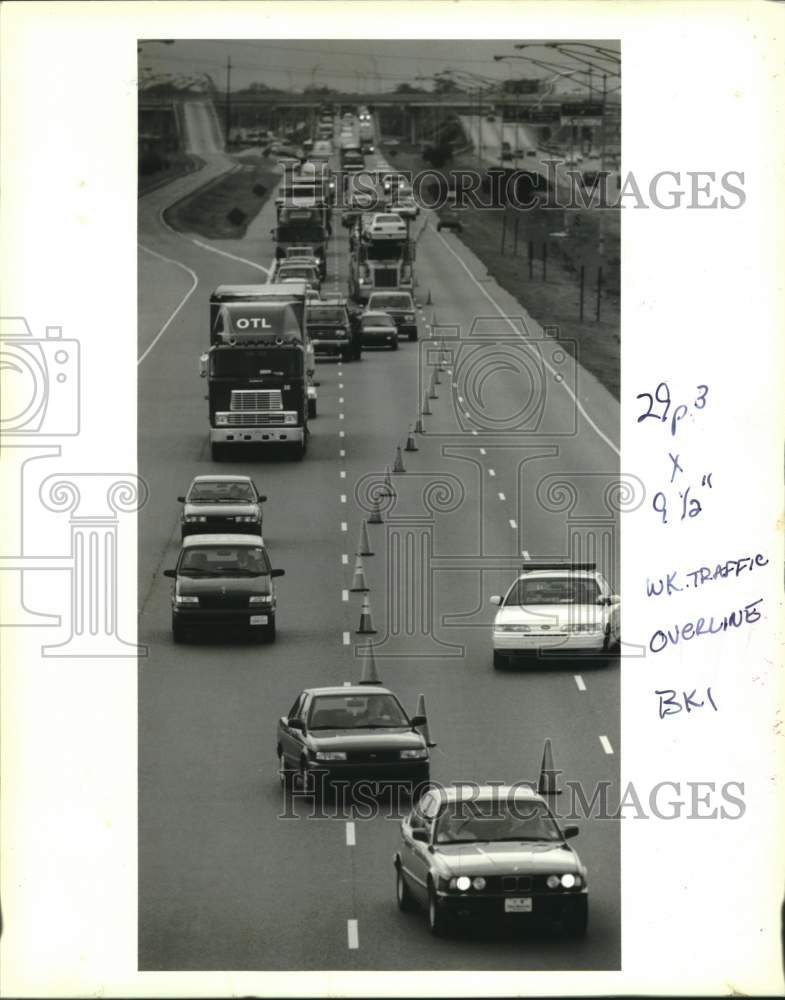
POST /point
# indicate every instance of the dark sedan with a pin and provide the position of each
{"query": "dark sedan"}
(349, 734)
(400, 306)
(221, 505)
(334, 331)
(223, 582)
(493, 854)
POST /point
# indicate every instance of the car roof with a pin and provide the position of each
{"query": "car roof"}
(222, 478)
(197, 541)
(485, 793)
(354, 690)
(559, 574)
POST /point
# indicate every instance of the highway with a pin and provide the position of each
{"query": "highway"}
(224, 883)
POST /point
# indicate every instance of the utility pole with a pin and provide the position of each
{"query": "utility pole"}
(228, 110)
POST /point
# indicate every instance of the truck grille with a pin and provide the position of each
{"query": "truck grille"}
(385, 277)
(256, 399)
(249, 419)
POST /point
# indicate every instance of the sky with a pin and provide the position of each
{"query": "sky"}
(364, 66)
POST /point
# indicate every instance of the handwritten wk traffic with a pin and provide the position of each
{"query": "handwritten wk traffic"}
(683, 498)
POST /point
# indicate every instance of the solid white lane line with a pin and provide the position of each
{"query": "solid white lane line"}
(345, 559)
(491, 472)
(515, 330)
(231, 256)
(186, 297)
(606, 744)
(352, 933)
(346, 638)
(344, 595)
(513, 523)
(580, 683)
(344, 526)
(502, 496)
(351, 839)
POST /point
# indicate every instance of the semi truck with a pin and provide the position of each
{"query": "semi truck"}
(379, 262)
(257, 384)
(302, 226)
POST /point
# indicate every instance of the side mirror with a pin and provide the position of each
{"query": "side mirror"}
(419, 834)
(570, 832)
(171, 573)
(615, 599)
(203, 366)
(277, 572)
(297, 724)
(418, 720)
(496, 599)
(262, 498)
(181, 499)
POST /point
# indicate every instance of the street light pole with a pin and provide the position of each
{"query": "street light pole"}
(228, 111)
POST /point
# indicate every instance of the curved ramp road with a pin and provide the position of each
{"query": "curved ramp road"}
(226, 884)
(203, 130)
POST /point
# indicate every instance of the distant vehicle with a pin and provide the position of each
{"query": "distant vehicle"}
(221, 504)
(506, 151)
(333, 330)
(405, 206)
(400, 306)
(450, 217)
(223, 582)
(560, 608)
(350, 734)
(492, 854)
(287, 270)
(386, 224)
(378, 329)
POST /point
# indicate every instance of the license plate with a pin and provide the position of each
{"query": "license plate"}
(522, 904)
(258, 619)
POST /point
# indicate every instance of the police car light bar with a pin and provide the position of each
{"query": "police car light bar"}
(532, 565)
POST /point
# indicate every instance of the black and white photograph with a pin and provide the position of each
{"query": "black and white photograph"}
(391, 445)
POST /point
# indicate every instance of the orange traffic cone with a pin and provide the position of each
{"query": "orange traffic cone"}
(411, 444)
(429, 300)
(432, 393)
(370, 675)
(376, 513)
(364, 545)
(366, 622)
(436, 377)
(426, 406)
(547, 783)
(419, 428)
(424, 729)
(359, 584)
(388, 486)
(398, 466)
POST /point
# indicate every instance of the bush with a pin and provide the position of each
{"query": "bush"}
(151, 163)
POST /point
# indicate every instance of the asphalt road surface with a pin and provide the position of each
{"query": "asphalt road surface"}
(224, 883)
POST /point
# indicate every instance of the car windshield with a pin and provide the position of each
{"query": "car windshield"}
(387, 219)
(376, 321)
(372, 711)
(220, 492)
(326, 314)
(392, 302)
(302, 272)
(493, 820)
(224, 560)
(553, 590)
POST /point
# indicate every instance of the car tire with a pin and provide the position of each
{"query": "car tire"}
(413, 336)
(437, 920)
(394, 345)
(269, 630)
(285, 774)
(500, 660)
(298, 451)
(178, 633)
(576, 923)
(312, 409)
(217, 451)
(403, 894)
(439, 228)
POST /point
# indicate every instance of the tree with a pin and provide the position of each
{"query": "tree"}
(407, 88)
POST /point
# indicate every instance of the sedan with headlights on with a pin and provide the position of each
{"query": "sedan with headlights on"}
(221, 505)
(378, 329)
(349, 734)
(492, 854)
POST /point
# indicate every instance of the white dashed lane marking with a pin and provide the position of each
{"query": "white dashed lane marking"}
(345, 559)
(491, 472)
(606, 744)
(343, 498)
(343, 473)
(502, 496)
(344, 526)
(344, 595)
(342, 453)
(351, 839)
(525, 553)
(580, 683)
(353, 934)
(483, 451)
(346, 639)
(513, 523)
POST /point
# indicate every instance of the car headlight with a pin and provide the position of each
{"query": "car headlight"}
(340, 329)
(221, 419)
(585, 627)
(420, 753)
(478, 883)
(330, 755)
(513, 628)
(185, 599)
(553, 881)
(260, 599)
(409, 317)
(463, 883)
(290, 418)
(570, 881)
(246, 518)
(193, 518)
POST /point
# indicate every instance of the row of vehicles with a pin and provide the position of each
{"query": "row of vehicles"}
(488, 853)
